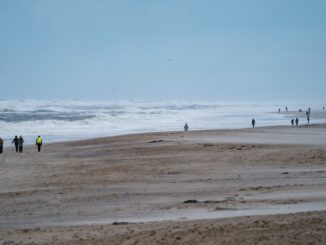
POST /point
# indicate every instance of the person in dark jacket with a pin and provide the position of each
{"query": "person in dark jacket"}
(20, 144)
(253, 122)
(15, 141)
(186, 127)
(297, 121)
(1, 145)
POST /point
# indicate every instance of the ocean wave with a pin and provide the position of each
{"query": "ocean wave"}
(41, 115)
(76, 119)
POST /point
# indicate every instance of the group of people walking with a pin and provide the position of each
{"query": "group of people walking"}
(296, 122)
(19, 143)
(293, 121)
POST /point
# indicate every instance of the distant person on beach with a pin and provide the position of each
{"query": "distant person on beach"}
(253, 122)
(307, 113)
(20, 144)
(286, 109)
(308, 119)
(279, 110)
(39, 142)
(186, 127)
(309, 110)
(15, 141)
(323, 107)
(300, 110)
(297, 121)
(292, 122)
(1, 145)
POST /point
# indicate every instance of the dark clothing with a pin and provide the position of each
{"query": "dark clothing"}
(253, 123)
(292, 122)
(15, 141)
(1, 145)
(297, 121)
(39, 147)
(20, 144)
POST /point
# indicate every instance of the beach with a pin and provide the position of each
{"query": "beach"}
(264, 185)
(162, 122)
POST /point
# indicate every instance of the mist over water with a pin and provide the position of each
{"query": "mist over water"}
(74, 119)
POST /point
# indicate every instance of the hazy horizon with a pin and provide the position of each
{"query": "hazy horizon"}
(163, 50)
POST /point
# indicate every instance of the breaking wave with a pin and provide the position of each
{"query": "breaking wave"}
(78, 119)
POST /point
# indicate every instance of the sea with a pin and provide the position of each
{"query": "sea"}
(65, 120)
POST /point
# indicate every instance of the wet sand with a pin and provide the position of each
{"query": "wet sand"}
(202, 187)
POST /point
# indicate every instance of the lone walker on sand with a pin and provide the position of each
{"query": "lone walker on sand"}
(39, 142)
(186, 127)
(1, 145)
(253, 122)
(292, 122)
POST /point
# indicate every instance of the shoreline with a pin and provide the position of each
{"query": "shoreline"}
(56, 125)
(196, 132)
(226, 130)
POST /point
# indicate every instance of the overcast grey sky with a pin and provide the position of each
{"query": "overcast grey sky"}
(183, 50)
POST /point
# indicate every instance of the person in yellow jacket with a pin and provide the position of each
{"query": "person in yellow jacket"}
(39, 142)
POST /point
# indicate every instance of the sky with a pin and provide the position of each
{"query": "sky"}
(163, 50)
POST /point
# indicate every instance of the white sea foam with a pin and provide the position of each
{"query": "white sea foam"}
(75, 119)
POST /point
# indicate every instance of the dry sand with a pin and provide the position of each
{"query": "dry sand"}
(169, 188)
